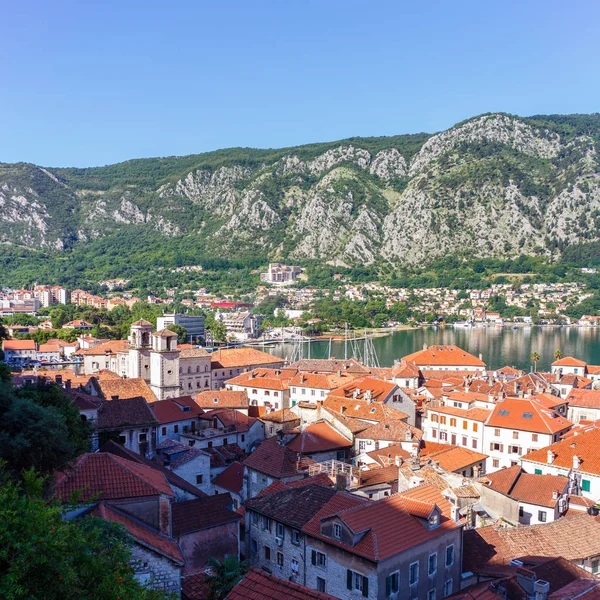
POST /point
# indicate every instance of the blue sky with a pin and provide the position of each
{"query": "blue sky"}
(91, 83)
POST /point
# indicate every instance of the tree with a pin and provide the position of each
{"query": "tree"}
(535, 357)
(558, 354)
(224, 576)
(217, 328)
(45, 556)
(39, 428)
(181, 332)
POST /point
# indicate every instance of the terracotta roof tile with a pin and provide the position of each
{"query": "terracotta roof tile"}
(285, 415)
(124, 388)
(392, 431)
(242, 357)
(455, 458)
(330, 366)
(221, 399)
(444, 356)
(362, 409)
(584, 398)
(18, 345)
(203, 513)
(128, 412)
(360, 388)
(175, 409)
(232, 478)
(525, 415)
(318, 437)
(569, 361)
(110, 347)
(275, 460)
(110, 477)
(259, 585)
(387, 456)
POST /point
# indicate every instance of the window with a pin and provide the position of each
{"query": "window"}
(312, 392)
(585, 485)
(443, 420)
(503, 413)
(534, 437)
(303, 391)
(279, 559)
(537, 471)
(254, 546)
(294, 565)
(142, 437)
(293, 390)
(433, 433)
(276, 394)
(542, 516)
(358, 582)
(521, 511)
(320, 584)
(431, 594)
(413, 573)
(318, 559)
(475, 427)
(434, 418)
(496, 463)
(447, 587)
(322, 393)
(474, 444)
(266, 523)
(392, 584)
(432, 564)
(175, 428)
(497, 432)
(267, 393)
(122, 439)
(295, 537)
(595, 564)
(164, 431)
(452, 422)
(337, 531)
(199, 479)
(443, 436)
(267, 553)
(464, 440)
(434, 520)
(279, 530)
(515, 435)
(465, 425)
(449, 555)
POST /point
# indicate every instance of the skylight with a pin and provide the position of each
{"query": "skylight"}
(528, 415)
(503, 413)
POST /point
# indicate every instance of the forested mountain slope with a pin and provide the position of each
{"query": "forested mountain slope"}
(495, 185)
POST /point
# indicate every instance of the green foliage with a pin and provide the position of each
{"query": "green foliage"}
(181, 333)
(46, 557)
(224, 576)
(40, 428)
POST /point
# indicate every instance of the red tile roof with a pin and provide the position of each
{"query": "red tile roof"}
(525, 415)
(111, 347)
(242, 357)
(381, 521)
(322, 381)
(405, 369)
(445, 356)
(391, 431)
(143, 534)
(259, 585)
(275, 460)
(232, 478)
(584, 446)
(387, 456)
(175, 409)
(221, 399)
(318, 437)
(569, 361)
(285, 415)
(360, 388)
(584, 398)
(123, 388)
(454, 458)
(18, 345)
(110, 477)
(362, 409)
(202, 513)
(129, 412)
(268, 379)
(475, 414)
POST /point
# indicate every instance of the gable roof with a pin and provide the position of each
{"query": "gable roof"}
(584, 398)
(269, 379)
(203, 513)
(284, 415)
(174, 480)
(569, 361)
(110, 477)
(128, 412)
(294, 506)
(110, 347)
(358, 408)
(525, 415)
(275, 460)
(527, 487)
(18, 345)
(323, 381)
(123, 388)
(454, 458)
(259, 585)
(232, 478)
(175, 409)
(142, 534)
(380, 521)
(443, 355)
(331, 365)
(405, 369)
(318, 437)
(210, 400)
(242, 357)
(391, 431)
(360, 388)
(387, 456)
(584, 445)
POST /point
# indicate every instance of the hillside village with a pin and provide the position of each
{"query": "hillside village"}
(435, 478)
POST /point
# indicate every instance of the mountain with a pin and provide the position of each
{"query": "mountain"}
(495, 185)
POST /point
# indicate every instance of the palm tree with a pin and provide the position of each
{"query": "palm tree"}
(223, 576)
(535, 357)
(558, 354)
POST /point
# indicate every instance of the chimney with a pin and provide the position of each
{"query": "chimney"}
(68, 385)
(342, 410)
(424, 346)
(541, 589)
(520, 393)
(554, 495)
(526, 579)
(164, 515)
(576, 462)
(551, 457)
(116, 397)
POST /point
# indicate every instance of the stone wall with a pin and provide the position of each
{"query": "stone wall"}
(156, 571)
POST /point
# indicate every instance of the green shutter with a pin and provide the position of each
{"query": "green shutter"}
(538, 471)
(365, 587)
(349, 579)
(585, 485)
